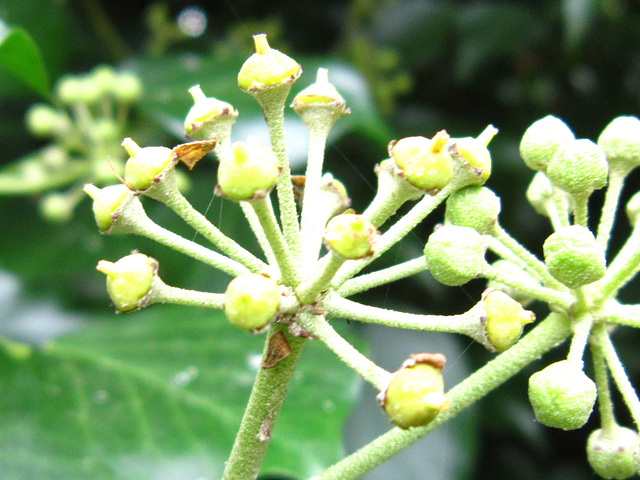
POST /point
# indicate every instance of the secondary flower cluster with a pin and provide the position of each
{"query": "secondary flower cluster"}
(297, 286)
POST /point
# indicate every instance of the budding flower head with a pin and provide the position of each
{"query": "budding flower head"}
(455, 255)
(206, 114)
(250, 173)
(424, 162)
(578, 167)
(351, 236)
(475, 153)
(505, 319)
(415, 395)
(267, 68)
(146, 166)
(562, 396)
(474, 206)
(251, 301)
(541, 140)
(610, 453)
(573, 257)
(129, 280)
(620, 141)
(108, 202)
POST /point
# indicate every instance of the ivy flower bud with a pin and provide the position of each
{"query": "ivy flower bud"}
(108, 202)
(424, 162)
(573, 257)
(129, 280)
(610, 453)
(320, 94)
(578, 167)
(620, 141)
(267, 68)
(541, 140)
(207, 115)
(474, 152)
(475, 207)
(562, 396)
(127, 87)
(455, 255)
(351, 236)
(46, 121)
(633, 208)
(415, 395)
(505, 319)
(252, 301)
(146, 166)
(540, 193)
(251, 173)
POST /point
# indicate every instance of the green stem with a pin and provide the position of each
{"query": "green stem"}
(605, 403)
(553, 330)
(582, 329)
(264, 211)
(628, 315)
(560, 199)
(619, 374)
(163, 293)
(308, 291)
(317, 326)
(167, 192)
(266, 400)
(617, 175)
(382, 277)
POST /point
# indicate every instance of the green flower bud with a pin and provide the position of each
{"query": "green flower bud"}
(251, 173)
(475, 207)
(206, 114)
(146, 166)
(540, 193)
(267, 68)
(474, 152)
(562, 396)
(103, 78)
(251, 301)
(57, 207)
(46, 121)
(129, 280)
(455, 255)
(108, 202)
(69, 89)
(505, 319)
(633, 208)
(620, 141)
(127, 87)
(351, 236)
(424, 162)
(610, 454)
(415, 395)
(573, 257)
(320, 94)
(541, 140)
(578, 167)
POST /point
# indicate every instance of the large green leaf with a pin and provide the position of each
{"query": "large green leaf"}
(20, 55)
(158, 395)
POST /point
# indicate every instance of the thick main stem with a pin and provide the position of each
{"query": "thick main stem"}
(553, 330)
(266, 400)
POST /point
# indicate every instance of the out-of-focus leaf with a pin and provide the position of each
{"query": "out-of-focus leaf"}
(159, 395)
(20, 55)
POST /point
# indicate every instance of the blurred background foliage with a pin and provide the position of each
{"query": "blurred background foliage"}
(406, 67)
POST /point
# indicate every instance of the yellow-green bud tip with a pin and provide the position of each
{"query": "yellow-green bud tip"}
(131, 147)
(129, 280)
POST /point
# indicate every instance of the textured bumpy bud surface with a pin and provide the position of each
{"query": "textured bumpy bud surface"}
(573, 257)
(205, 113)
(620, 141)
(267, 68)
(424, 162)
(107, 203)
(475, 153)
(541, 140)
(610, 454)
(578, 167)
(415, 395)
(505, 319)
(146, 166)
(455, 255)
(129, 280)
(251, 172)
(251, 301)
(475, 207)
(351, 236)
(562, 396)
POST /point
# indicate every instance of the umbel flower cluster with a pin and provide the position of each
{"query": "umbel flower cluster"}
(312, 256)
